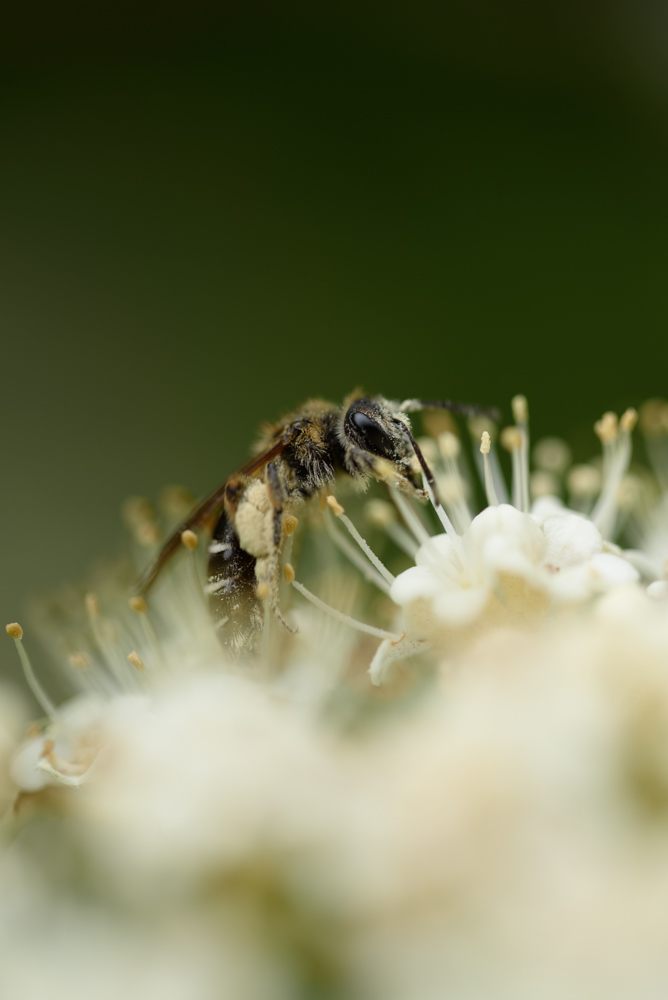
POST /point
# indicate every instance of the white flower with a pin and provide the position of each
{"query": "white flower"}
(510, 563)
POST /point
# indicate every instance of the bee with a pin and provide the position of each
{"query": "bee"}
(368, 437)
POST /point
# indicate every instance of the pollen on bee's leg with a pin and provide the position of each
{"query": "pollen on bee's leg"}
(41, 697)
(263, 590)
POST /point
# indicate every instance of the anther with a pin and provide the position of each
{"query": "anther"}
(380, 513)
(288, 573)
(628, 420)
(137, 511)
(334, 505)
(176, 501)
(485, 446)
(139, 605)
(147, 534)
(189, 539)
(520, 409)
(583, 481)
(290, 523)
(429, 449)
(606, 428)
(42, 698)
(654, 417)
(511, 438)
(92, 606)
(543, 484)
(80, 661)
(551, 454)
(449, 445)
(136, 660)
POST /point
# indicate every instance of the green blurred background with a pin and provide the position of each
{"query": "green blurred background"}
(211, 212)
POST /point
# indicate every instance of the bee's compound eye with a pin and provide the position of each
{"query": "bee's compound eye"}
(374, 437)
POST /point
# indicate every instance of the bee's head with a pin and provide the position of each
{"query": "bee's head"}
(377, 442)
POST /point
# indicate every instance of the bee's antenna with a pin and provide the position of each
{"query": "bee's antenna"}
(465, 409)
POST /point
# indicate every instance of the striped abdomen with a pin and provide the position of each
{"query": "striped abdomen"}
(231, 585)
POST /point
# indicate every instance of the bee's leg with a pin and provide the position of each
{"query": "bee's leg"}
(277, 497)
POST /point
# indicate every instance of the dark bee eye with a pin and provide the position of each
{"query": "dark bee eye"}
(373, 436)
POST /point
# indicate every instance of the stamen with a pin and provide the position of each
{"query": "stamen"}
(455, 489)
(606, 428)
(551, 454)
(413, 522)
(520, 410)
(381, 514)
(79, 661)
(290, 523)
(521, 415)
(289, 573)
(136, 660)
(543, 484)
(98, 629)
(485, 446)
(189, 539)
(363, 544)
(334, 505)
(514, 439)
(476, 429)
(617, 456)
(430, 486)
(41, 697)
(583, 482)
(176, 502)
(139, 605)
(628, 420)
(340, 616)
(654, 425)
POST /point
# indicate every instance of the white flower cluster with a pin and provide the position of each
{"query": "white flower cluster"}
(493, 822)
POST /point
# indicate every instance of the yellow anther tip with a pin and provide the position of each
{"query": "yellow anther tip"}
(485, 443)
(139, 605)
(628, 420)
(15, 630)
(136, 660)
(512, 438)
(335, 506)
(288, 573)
(92, 606)
(520, 409)
(189, 539)
(290, 523)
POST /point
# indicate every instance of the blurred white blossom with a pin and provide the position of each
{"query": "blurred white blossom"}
(490, 821)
